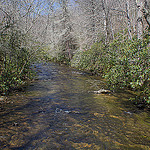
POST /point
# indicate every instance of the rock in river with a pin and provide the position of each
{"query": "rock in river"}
(102, 91)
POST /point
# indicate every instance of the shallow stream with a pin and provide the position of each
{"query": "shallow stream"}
(59, 111)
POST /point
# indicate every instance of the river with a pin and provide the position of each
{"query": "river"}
(59, 111)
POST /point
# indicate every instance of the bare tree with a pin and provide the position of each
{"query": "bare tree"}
(106, 13)
(140, 6)
(129, 21)
(146, 12)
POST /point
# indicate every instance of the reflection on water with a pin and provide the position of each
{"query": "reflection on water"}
(60, 112)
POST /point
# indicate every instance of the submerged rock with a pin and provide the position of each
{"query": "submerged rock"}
(102, 91)
(127, 112)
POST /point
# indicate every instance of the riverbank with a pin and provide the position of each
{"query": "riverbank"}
(122, 63)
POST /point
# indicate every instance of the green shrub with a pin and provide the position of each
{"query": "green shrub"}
(15, 65)
(130, 67)
(92, 60)
(124, 64)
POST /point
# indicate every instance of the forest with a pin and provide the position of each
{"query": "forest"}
(109, 38)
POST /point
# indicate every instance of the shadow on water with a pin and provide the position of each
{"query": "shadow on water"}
(60, 111)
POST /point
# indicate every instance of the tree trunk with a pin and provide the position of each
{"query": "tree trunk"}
(146, 12)
(129, 21)
(106, 20)
(140, 4)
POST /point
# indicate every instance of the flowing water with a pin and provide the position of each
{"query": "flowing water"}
(59, 111)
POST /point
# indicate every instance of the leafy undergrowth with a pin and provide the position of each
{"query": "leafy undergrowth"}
(14, 61)
(123, 63)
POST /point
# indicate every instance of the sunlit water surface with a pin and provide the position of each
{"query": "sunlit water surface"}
(59, 111)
